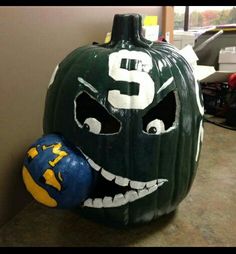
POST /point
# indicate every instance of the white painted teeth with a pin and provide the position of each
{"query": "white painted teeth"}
(107, 202)
(151, 183)
(142, 193)
(120, 199)
(122, 181)
(88, 202)
(109, 176)
(97, 203)
(94, 165)
(161, 181)
(137, 185)
(131, 195)
(86, 157)
(153, 188)
(140, 189)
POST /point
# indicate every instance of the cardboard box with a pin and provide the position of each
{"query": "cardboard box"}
(188, 53)
(227, 67)
(151, 33)
(183, 38)
(203, 73)
(150, 27)
(227, 55)
(227, 59)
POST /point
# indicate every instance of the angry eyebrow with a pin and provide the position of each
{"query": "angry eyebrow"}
(166, 84)
(87, 84)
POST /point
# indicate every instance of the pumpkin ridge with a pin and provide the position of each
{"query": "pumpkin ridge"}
(154, 55)
(190, 167)
(194, 131)
(179, 153)
(171, 203)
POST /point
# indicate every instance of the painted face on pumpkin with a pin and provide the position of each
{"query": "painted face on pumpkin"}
(105, 117)
(136, 115)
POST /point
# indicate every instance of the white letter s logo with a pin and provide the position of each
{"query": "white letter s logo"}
(143, 64)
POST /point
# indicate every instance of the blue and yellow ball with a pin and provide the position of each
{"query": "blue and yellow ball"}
(55, 174)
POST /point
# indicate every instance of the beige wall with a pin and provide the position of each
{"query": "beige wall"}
(32, 41)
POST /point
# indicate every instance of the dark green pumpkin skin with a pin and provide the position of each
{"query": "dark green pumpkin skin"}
(131, 152)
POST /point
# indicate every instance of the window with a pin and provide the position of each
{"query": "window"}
(204, 17)
(192, 21)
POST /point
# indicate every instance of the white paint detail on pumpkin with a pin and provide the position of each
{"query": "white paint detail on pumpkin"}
(87, 84)
(160, 65)
(178, 107)
(140, 76)
(171, 128)
(177, 113)
(107, 202)
(158, 125)
(94, 125)
(137, 184)
(166, 84)
(131, 195)
(151, 183)
(75, 108)
(120, 199)
(161, 180)
(97, 202)
(200, 139)
(109, 176)
(153, 188)
(197, 91)
(94, 165)
(88, 202)
(139, 189)
(53, 76)
(142, 193)
(119, 180)
(122, 181)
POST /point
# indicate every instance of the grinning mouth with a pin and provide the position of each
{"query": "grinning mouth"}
(114, 191)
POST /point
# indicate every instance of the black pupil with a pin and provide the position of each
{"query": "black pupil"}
(86, 126)
(152, 130)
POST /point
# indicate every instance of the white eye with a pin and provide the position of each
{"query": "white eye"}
(155, 127)
(92, 125)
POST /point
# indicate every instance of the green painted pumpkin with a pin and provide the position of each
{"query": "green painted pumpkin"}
(134, 109)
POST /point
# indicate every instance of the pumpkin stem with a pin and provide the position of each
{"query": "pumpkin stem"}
(128, 27)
